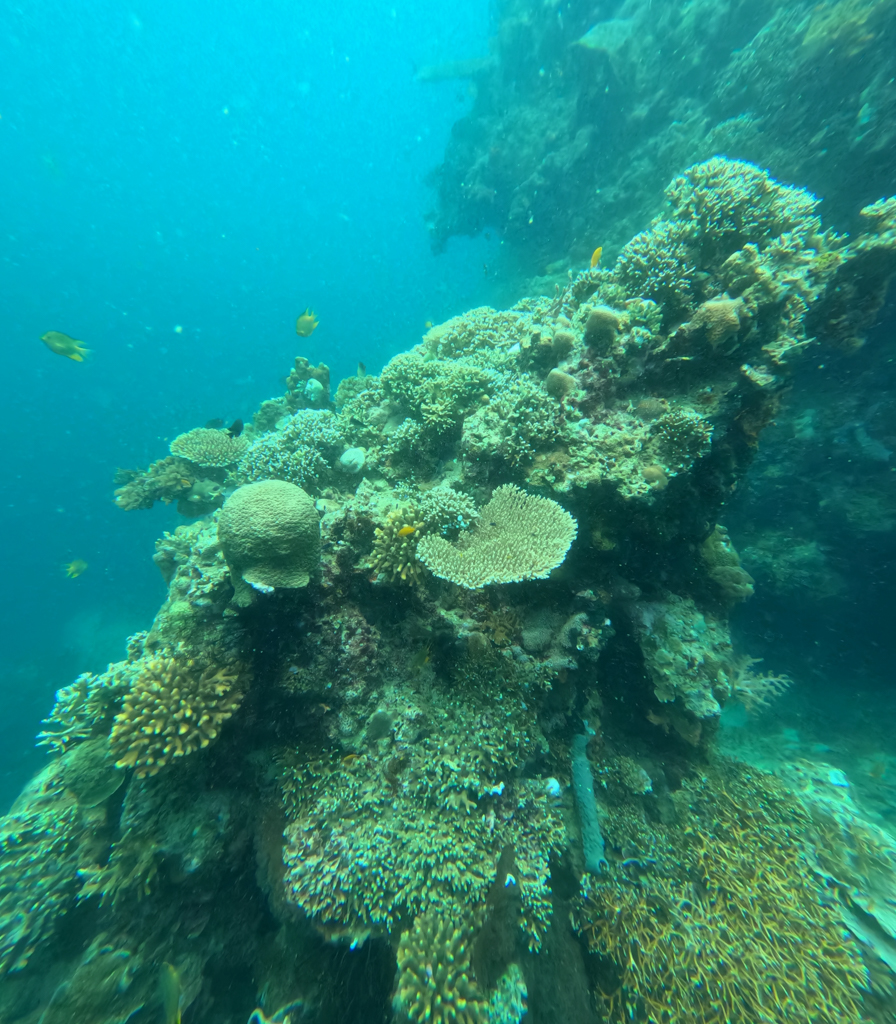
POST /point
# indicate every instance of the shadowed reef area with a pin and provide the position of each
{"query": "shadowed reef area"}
(427, 727)
(578, 123)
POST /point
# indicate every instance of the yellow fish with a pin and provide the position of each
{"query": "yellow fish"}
(74, 569)
(306, 323)
(595, 256)
(170, 989)
(406, 531)
(63, 345)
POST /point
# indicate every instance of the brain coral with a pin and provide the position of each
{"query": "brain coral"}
(208, 448)
(270, 536)
(518, 536)
(174, 708)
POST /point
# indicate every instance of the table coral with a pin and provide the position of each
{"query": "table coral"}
(209, 448)
(518, 536)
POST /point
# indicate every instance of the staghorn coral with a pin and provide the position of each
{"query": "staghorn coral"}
(174, 707)
(270, 537)
(518, 536)
(208, 448)
(728, 921)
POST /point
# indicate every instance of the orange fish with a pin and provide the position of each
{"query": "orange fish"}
(306, 323)
(595, 256)
(406, 531)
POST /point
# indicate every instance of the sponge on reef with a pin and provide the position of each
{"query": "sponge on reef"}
(270, 536)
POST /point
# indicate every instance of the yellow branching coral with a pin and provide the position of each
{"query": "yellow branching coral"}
(435, 977)
(208, 448)
(518, 536)
(175, 706)
(731, 924)
(394, 556)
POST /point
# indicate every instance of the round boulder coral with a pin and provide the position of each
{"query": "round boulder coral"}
(270, 537)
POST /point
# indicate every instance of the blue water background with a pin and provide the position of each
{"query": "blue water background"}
(218, 167)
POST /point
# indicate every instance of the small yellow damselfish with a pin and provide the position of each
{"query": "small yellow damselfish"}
(595, 256)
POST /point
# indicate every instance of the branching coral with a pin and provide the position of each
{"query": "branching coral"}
(87, 707)
(435, 975)
(365, 851)
(730, 925)
(208, 448)
(518, 536)
(175, 706)
(301, 451)
(167, 480)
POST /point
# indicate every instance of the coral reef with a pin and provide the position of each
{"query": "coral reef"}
(568, 132)
(352, 765)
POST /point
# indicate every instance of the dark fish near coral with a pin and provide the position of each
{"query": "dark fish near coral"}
(74, 569)
(63, 345)
(362, 369)
(170, 990)
(306, 323)
(235, 428)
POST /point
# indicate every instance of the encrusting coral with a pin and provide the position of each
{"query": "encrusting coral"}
(518, 536)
